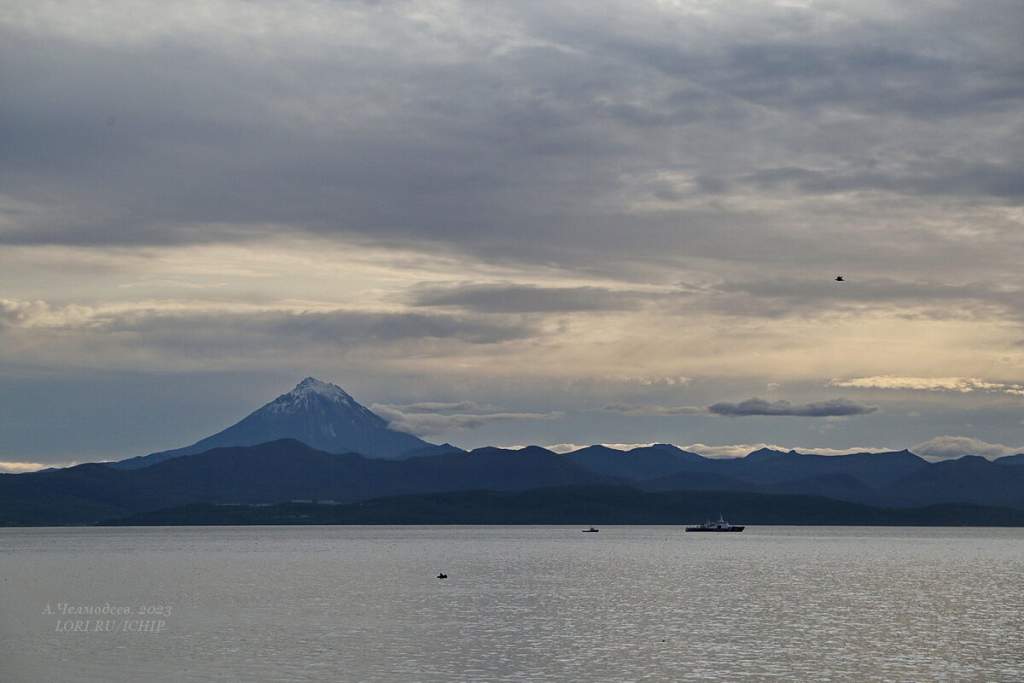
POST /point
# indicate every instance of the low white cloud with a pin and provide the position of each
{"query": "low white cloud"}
(16, 467)
(441, 407)
(647, 409)
(416, 418)
(944, 447)
(734, 450)
(627, 446)
(738, 450)
(963, 385)
(564, 447)
(570, 447)
(41, 314)
(653, 380)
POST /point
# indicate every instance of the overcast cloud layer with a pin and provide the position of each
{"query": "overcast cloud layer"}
(588, 220)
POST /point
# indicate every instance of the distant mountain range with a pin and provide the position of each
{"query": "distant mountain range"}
(287, 470)
(316, 443)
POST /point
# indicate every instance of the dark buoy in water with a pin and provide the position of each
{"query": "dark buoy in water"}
(442, 575)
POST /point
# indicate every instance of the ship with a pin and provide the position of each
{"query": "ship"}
(720, 525)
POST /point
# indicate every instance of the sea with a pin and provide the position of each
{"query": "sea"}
(521, 603)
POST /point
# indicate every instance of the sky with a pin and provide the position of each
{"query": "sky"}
(508, 223)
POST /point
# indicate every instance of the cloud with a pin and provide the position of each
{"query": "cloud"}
(442, 407)
(945, 447)
(531, 298)
(570, 447)
(429, 192)
(418, 419)
(336, 327)
(653, 380)
(40, 314)
(780, 296)
(15, 467)
(962, 385)
(212, 326)
(16, 312)
(312, 120)
(1002, 181)
(630, 409)
(739, 450)
(562, 448)
(839, 407)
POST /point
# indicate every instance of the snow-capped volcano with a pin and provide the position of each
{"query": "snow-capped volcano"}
(320, 414)
(310, 393)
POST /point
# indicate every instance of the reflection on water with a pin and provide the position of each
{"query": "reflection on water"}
(520, 603)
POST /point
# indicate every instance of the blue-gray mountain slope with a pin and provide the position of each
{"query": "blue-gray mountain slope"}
(320, 415)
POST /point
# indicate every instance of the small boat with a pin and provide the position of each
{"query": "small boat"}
(591, 530)
(442, 575)
(720, 525)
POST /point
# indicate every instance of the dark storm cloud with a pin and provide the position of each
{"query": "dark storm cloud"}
(202, 149)
(871, 79)
(872, 68)
(526, 149)
(945, 177)
(839, 407)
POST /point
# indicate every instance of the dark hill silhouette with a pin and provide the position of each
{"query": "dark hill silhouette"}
(836, 486)
(433, 450)
(647, 462)
(970, 479)
(697, 480)
(873, 469)
(273, 472)
(763, 454)
(287, 469)
(857, 477)
(582, 506)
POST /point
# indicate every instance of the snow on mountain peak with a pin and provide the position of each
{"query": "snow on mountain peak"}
(311, 385)
(310, 389)
(319, 386)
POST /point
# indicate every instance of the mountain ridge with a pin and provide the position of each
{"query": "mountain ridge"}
(288, 469)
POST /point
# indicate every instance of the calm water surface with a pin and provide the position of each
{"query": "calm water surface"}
(521, 603)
